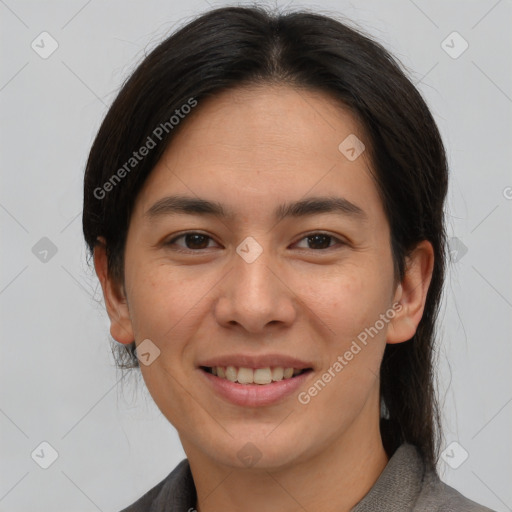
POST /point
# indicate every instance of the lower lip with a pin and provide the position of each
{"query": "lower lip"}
(255, 395)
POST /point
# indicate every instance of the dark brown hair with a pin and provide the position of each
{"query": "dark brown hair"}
(235, 46)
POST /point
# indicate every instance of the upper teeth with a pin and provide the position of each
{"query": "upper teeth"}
(256, 376)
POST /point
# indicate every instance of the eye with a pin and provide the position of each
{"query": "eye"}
(193, 241)
(320, 241)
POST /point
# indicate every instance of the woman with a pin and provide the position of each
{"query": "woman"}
(264, 204)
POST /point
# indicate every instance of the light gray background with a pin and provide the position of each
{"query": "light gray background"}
(58, 382)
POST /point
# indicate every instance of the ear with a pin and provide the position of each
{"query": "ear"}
(114, 295)
(411, 293)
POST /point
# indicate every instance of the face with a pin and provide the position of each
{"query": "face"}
(288, 265)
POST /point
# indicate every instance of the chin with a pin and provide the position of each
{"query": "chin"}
(258, 451)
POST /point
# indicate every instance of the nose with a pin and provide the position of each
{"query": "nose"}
(255, 296)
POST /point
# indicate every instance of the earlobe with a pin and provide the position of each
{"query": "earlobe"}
(115, 300)
(411, 293)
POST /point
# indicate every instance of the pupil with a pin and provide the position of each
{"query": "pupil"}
(316, 238)
(196, 241)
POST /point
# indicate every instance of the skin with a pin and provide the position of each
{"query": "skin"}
(253, 149)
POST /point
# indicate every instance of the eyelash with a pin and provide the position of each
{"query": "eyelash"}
(309, 235)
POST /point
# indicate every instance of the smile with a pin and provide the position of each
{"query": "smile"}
(255, 387)
(261, 376)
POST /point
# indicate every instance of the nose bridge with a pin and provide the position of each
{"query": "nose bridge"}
(253, 279)
(252, 295)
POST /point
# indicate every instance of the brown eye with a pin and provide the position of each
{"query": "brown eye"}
(193, 241)
(196, 241)
(319, 241)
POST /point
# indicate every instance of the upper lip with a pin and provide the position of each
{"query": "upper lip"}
(249, 361)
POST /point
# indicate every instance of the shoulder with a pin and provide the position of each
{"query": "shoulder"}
(175, 492)
(440, 497)
(437, 496)
(407, 484)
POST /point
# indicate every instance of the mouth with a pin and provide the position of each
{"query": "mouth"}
(260, 376)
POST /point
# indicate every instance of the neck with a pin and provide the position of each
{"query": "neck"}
(334, 479)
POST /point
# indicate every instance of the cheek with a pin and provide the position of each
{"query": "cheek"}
(348, 300)
(350, 303)
(162, 302)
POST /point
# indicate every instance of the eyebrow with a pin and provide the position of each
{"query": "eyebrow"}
(311, 206)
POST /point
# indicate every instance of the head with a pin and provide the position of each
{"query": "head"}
(268, 117)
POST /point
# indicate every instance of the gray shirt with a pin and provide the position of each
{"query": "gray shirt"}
(404, 485)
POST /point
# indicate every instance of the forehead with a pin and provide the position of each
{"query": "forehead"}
(256, 145)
